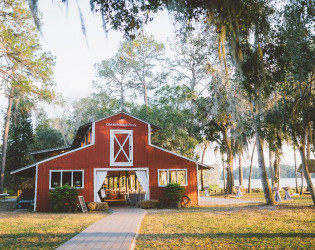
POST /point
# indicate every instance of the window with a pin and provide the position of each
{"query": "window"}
(86, 140)
(181, 177)
(78, 179)
(172, 176)
(167, 176)
(162, 178)
(55, 179)
(72, 178)
(66, 178)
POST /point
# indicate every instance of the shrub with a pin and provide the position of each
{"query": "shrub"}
(145, 204)
(174, 191)
(63, 199)
(98, 206)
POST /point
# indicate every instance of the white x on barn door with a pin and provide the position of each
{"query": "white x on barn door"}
(121, 148)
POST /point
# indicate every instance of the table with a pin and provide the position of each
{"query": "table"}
(277, 194)
(287, 196)
(3, 196)
(206, 190)
(136, 197)
(238, 193)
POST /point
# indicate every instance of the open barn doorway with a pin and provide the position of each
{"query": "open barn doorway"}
(121, 187)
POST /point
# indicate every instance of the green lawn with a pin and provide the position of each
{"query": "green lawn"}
(29, 230)
(289, 225)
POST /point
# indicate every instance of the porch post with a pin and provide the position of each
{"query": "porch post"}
(136, 183)
(127, 184)
(119, 181)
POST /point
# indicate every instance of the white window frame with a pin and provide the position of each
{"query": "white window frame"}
(168, 172)
(61, 171)
(112, 143)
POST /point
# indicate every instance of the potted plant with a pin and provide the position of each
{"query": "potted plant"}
(174, 192)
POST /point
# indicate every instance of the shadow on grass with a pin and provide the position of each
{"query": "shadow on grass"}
(235, 208)
(33, 240)
(40, 240)
(228, 235)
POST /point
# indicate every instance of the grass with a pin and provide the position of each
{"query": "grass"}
(296, 200)
(29, 230)
(289, 225)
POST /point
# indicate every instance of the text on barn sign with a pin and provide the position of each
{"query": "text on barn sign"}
(121, 124)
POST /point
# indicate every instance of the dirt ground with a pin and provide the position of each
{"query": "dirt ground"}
(7, 205)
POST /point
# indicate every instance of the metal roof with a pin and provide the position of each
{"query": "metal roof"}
(28, 171)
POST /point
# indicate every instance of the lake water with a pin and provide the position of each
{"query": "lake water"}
(256, 183)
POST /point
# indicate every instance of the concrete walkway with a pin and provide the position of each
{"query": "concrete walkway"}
(208, 201)
(116, 231)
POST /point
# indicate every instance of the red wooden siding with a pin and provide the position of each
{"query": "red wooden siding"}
(98, 156)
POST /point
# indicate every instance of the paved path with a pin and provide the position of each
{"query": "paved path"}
(116, 231)
(206, 201)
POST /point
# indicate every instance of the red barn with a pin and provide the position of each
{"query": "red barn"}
(113, 153)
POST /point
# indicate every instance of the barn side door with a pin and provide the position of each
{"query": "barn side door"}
(121, 148)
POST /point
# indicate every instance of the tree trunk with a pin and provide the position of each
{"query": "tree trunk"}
(204, 151)
(122, 98)
(240, 170)
(257, 111)
(202, 161)
(263, 172)
(306, 172)
(5, 139)
(260, 153)
(309, 142)
(276, 168)
(251, 170)
(295, 170)
(230, 177)
(145, 95)
(271, 170)
(224, 180)
(302, 183)
(201, 180)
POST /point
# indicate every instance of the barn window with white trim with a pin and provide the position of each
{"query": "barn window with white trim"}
(166, 176)
(72, 178)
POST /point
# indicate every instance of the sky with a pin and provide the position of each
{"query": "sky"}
(76, 55)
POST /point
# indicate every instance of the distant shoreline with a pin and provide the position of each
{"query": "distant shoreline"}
(256, 183)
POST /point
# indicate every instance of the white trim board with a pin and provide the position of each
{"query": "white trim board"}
(197, 181)
(120, 169)
(36, 180)
(22, 169)
(122, 112)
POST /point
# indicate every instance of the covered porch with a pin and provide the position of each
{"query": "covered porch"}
(121, 187)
